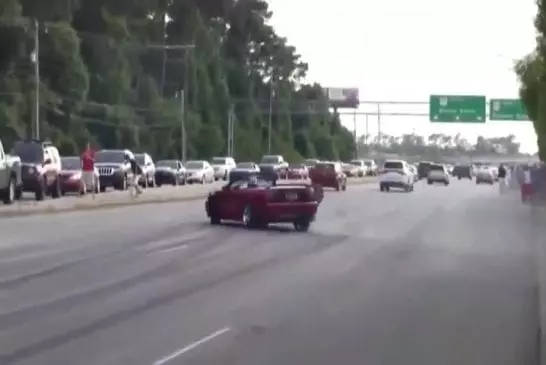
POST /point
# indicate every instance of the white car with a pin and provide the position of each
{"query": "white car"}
(222, 167)
(350, 169)
(485, 174)
(199, 171)
(396, 174)
(371, 168)
(361, 167)
(437, 173)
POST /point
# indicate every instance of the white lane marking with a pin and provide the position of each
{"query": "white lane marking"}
(157, 245)
(191, 346)
(172, 249)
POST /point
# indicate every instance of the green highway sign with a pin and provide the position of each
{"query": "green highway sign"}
(507, 109)
(457, 109)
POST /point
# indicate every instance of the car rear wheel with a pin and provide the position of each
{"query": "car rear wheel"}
(302, 225)
(9, 194)
(429, 182)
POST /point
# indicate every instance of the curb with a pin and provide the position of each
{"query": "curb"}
(124, 203)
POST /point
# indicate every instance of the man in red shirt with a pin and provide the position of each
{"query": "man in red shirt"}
(88, 170)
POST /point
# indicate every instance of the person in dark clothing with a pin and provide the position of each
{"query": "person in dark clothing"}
(502, 172)
(502, 179)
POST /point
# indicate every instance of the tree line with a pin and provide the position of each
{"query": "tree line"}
(531, 72)
(437, 146)
(111, 72)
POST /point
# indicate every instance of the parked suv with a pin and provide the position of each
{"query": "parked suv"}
(41, 167)
(114, 170)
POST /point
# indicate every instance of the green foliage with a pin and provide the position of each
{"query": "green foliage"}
(531, 73)
(438, 146)
(105, 77)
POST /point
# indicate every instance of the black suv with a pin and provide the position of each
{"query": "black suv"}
(423, 168)
(41, 167)
(113, 168)
(463, 171)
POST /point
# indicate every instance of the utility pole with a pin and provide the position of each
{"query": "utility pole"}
(379, 123)
(183, 93)
(367, 130)
(36, 59)
(270, 116)
(183, 125)
(355, 135)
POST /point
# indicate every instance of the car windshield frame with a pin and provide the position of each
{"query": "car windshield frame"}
(396, 165)
(28, 152)
(71, 163)
(167, 163)
(270, 160)
(110, 156)
(219, 161)
(433, 167)
(325, 166)
(246, 165)
(195, 165)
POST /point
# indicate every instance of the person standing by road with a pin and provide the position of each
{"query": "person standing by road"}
(136, 171)
(502, 179)
(526, 186)
(88, 170)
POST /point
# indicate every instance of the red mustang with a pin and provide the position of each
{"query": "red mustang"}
(257, 203)
(297, 171)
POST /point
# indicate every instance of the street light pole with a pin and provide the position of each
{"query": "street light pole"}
(183, 92)
(270, 114)
(37, 77)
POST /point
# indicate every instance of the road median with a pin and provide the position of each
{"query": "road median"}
(121, 199)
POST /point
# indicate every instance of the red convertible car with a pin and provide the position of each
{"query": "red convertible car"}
(258, 203)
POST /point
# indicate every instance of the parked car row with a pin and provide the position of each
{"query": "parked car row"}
(36, 167)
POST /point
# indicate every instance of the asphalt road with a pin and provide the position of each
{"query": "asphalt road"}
(444, 275)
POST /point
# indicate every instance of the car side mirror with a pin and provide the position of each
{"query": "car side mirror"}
(47, 162)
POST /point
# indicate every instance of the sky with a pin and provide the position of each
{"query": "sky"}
(400, 50)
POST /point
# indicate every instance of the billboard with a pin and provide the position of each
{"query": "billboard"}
(343, 97)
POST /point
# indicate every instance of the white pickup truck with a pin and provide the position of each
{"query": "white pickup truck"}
(10, 177)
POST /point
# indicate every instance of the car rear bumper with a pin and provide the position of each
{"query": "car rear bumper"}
(393, 184)
(437, 178)
(290, 212)
(327, 183)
